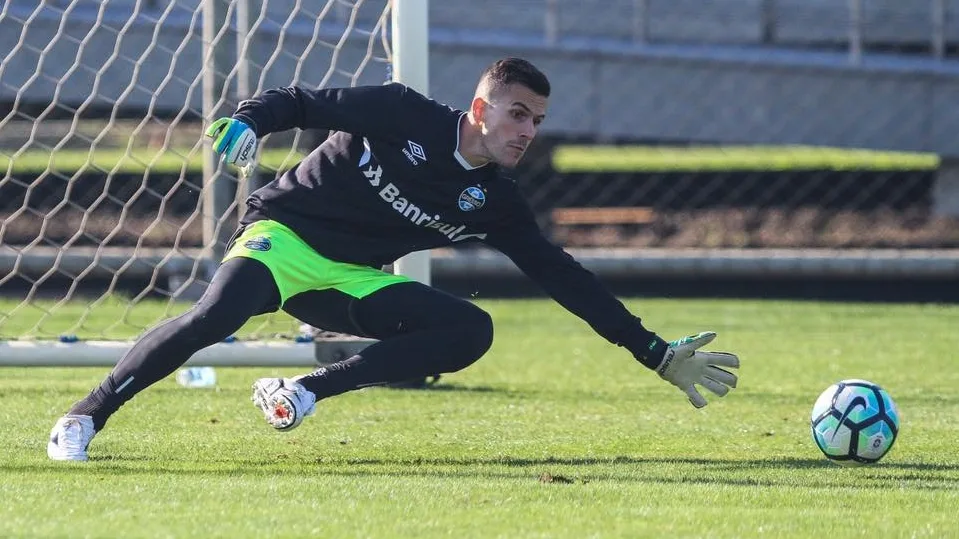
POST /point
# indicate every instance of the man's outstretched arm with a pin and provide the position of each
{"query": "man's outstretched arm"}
(361, 110)
(382, 111)
(679, 362)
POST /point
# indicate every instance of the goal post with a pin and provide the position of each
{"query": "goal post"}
(113, 208)
(411, 67)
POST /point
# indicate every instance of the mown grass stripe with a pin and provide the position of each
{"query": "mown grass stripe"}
(574, 158)
(172, 161)
(566, 159)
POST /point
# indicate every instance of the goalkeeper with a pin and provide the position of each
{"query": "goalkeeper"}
(398, 173)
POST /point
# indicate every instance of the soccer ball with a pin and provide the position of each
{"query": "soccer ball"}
(854, 422)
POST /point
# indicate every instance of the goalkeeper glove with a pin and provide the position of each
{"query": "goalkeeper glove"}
(684, 366)
(234, 140)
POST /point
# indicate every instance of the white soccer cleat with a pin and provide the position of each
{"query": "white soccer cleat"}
(284, 402)
(70, 437)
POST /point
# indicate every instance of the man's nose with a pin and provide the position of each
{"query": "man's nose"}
(529, 131)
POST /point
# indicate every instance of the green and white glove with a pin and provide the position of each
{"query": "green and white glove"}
(685, 366)
(234, 140)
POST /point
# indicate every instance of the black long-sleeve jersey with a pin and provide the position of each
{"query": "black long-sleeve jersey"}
(389, 180)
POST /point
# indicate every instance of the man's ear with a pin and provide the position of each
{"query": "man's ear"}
(478, 109)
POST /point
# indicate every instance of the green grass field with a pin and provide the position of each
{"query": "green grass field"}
(555, 433)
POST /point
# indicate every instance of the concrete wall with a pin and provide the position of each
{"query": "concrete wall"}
(766, 99)
(138, 61)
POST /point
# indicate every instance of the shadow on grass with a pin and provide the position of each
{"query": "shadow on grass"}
(446, 387)
(810, 473)
(776, 463)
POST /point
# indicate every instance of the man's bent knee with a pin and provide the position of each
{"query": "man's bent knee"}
(474, 338)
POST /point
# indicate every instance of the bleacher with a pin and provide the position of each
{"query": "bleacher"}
(775, 23)
(786, 23)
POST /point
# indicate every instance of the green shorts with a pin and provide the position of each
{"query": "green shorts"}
(297, 268)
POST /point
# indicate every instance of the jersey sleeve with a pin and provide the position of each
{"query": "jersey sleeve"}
(377, 111)
(573, 286)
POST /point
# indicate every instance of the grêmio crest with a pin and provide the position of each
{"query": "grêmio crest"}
(472, 198)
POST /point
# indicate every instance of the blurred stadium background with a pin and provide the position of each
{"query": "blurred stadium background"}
(688, 141)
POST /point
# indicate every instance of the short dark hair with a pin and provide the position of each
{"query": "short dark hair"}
(502, 73)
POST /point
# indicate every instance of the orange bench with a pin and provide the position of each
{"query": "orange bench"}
(603, 216)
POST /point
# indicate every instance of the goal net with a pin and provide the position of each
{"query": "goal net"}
(114, 209)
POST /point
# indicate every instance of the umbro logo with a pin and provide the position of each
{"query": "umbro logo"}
(414, 152)
(417, 150)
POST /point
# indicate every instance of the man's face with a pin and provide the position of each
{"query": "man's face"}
(510, 120)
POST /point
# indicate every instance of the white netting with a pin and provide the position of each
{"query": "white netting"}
(106, 217)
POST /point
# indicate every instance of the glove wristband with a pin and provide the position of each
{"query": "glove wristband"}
(647, 347)
(654, 352)
(249, 123)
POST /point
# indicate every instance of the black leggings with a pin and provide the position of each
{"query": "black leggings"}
(421, 331)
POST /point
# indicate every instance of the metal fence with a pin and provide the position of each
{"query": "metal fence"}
(668, 74)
